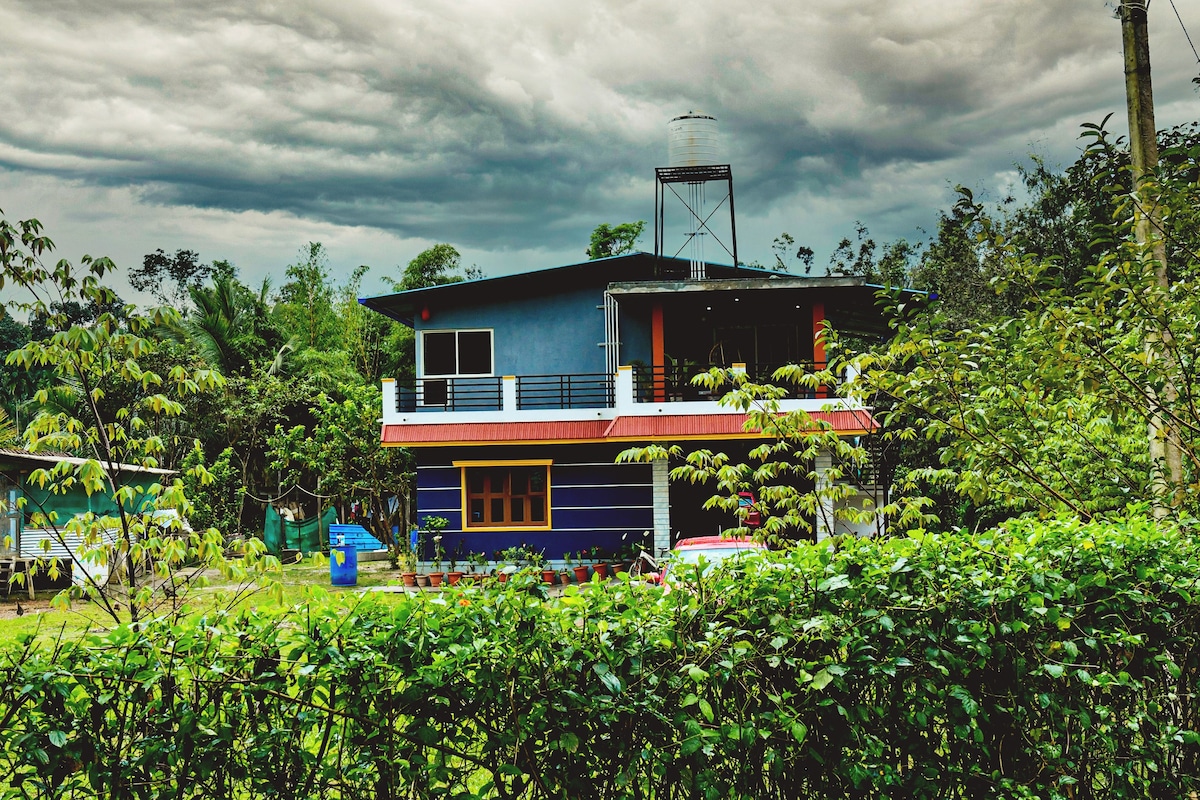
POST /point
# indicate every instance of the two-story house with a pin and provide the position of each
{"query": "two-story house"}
(529, 385)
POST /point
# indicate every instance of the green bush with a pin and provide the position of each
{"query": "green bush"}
(1043, 660)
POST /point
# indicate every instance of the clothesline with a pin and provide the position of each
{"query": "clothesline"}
(289, 491)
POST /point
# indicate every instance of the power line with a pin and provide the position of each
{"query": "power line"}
(1185, 31)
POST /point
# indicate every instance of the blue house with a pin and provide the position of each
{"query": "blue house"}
(528, 386)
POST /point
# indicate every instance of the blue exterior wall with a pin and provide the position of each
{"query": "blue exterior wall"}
(593, 501)
(635, 337)
(536, 335)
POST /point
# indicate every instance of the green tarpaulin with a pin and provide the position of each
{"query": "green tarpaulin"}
(307, 535)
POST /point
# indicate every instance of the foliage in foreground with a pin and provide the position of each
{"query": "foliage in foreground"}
(116, 409)
(1046, 660)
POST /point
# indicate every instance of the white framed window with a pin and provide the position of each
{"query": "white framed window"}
(455, 354)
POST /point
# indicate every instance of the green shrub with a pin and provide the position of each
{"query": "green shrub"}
(1044, 660)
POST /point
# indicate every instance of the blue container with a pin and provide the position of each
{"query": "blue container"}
(346, 572)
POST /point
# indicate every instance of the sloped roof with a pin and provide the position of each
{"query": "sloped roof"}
(679, 427)
(635, 267)
(37, 460)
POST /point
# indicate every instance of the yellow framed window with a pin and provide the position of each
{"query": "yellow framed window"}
(506, 495)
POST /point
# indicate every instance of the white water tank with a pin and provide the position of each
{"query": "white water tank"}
(692, 140)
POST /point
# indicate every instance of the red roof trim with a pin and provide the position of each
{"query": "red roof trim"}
(683, 426)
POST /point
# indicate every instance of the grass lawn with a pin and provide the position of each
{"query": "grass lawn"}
(19, 615)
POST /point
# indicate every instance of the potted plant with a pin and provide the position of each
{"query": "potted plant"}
(599, 564)
(406, 562)
(434, 526)
(456, 555)
(581, 569)
(477, 561)
(508, 561)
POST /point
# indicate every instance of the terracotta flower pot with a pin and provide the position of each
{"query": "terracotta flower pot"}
(548, 576)
(409, 578)
(454, 577)
(435, 578)
(422, 579)
(601, 570)
(581, 573)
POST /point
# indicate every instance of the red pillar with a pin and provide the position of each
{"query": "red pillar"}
(818, 321)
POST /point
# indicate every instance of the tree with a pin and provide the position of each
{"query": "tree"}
(802, 473)
(92, 362)
(306, 300)
(1045, 409)
(614, 240)
(782, 246)
(435, 266)
(364, 333)
(341, 455)
(170, 279)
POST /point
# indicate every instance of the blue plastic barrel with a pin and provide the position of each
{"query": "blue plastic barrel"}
(344, 573)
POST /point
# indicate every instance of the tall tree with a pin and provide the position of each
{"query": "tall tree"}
(435, 266)
(105, 365)
(306, 300)
(170, 279)
(614, 240)
(341, 455)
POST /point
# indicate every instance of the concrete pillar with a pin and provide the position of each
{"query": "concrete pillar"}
(662, 505)
(824, 523)
(508, 393)
(623, 398)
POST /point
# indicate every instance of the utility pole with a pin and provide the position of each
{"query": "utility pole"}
(1165, 452)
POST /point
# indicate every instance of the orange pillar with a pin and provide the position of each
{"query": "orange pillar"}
(658, 352)
(818, 321)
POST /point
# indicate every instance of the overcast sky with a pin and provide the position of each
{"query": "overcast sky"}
(510, 128)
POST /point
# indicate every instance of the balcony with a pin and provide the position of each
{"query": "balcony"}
(488, 394)
(634, 391)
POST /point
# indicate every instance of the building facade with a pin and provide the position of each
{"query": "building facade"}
(529, 386)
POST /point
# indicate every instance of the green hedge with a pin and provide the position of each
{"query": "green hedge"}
(1047, 660)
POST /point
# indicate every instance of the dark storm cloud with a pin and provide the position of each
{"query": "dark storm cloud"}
(497, 124)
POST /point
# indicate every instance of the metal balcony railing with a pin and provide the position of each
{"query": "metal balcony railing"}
(451, 394)
(588, 390)
(672, 383)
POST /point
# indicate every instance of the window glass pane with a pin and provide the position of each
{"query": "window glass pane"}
(520, 482)
(477, 509)
(537, 509)
(496, 478)
(433, 392)
(475, 353)
(497, 510)
(537, 480)
(439, 354)
(517, 507)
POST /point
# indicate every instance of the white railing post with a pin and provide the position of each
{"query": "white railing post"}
(508, 393)
(623, 391)
(389, 398)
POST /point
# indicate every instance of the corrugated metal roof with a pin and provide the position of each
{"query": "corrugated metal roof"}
(682, 426)
(485, 432)
(695, 426)
(48, 457)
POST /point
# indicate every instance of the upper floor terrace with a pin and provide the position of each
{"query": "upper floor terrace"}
(633, 391)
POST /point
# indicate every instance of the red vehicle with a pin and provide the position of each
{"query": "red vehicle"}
(712, 550)
(747, 500)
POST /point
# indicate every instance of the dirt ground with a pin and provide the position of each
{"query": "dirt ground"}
(17, 604)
